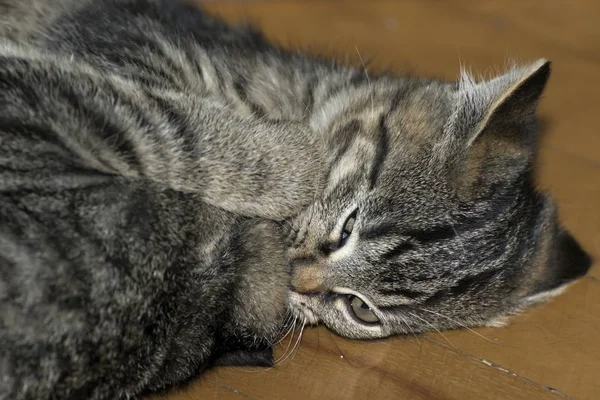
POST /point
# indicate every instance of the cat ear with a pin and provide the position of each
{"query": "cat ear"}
(567, 263)
(492, 130)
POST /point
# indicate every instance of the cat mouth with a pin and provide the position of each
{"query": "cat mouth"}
(299, 307)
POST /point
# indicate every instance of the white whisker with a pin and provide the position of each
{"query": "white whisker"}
(300, 340)
(292, 330)
(460, 241)
(368, 80)
(433, 326)
(410, 328)
(296, 344)
(289, 319)
(460, 324)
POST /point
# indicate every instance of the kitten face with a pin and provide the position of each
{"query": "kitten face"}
(430, 218)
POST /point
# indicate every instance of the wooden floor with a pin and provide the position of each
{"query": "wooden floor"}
(553, 351)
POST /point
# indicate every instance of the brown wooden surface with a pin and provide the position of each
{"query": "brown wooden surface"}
(553, 350)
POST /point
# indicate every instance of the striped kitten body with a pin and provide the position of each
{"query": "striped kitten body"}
(172, 189)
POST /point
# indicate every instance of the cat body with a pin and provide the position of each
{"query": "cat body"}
(173, 190)
(136, 249)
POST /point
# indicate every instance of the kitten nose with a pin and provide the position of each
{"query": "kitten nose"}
(307, 276)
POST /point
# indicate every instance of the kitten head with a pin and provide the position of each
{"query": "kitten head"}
(430, 218)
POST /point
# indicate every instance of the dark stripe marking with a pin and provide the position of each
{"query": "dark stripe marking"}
(434, 234)
(239, 86)
(380, 152)
(112, 135)
(381, 230)
(409, 294)
(344, 137)
(398, 250)
(467, 284)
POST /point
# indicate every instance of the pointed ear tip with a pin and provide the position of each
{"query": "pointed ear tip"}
(542, 64)
(538, 71)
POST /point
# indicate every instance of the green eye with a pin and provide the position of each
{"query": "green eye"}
(347, 228)
(361, 310)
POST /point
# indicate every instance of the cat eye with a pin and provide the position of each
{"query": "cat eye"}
(361, 310)
(347, 228)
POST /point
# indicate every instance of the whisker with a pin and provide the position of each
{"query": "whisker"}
(288, 320)
(284, 326)
(460, 241)
(368, 79)
(342, 355)
(299, 340)
(262, 370)
(283, 359)
(433, 326)
(460, 324)
(410, 328)
(292, 330)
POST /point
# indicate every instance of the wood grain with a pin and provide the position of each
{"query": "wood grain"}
(552, 351)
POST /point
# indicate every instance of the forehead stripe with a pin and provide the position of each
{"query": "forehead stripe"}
(381, 152)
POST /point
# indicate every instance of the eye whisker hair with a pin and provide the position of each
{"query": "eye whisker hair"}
(459, 240)
(410, 328)
(283, 328)
(300, 337)
(433, 326)
(368, 80)
(460, 324)
(292, 331)
(332, 337)
(287, 354)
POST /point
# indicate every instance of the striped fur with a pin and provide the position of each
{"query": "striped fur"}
(173, 188)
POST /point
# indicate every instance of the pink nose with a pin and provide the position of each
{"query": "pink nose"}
(308, 278)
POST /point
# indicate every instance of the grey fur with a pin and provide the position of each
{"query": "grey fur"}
(148, 149)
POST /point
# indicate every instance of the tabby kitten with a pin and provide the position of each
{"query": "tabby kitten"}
(172, 189)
